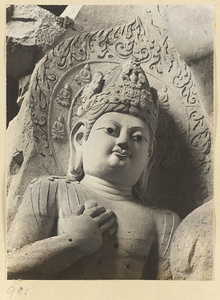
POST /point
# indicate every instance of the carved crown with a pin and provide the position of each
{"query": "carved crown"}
(128, 86)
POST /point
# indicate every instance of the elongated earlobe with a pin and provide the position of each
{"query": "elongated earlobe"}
(75, 162)
(76, 170)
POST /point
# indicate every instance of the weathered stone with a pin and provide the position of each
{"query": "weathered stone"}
(192, 246)
(172, 156)
(199, 20)
(65, 204)
(23, 88)
(23, 162)
(31, 32)
(71, 11)
(195, 24)
(181, 177)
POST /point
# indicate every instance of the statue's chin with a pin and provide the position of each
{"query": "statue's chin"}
(116, 168)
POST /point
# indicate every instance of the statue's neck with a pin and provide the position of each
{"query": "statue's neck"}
(107, 189)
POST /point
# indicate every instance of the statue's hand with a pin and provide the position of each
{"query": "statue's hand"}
(103, 218)
(86, 226)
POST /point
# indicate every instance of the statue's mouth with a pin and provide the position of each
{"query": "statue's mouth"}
(121, 153)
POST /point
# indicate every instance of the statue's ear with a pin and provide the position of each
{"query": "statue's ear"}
(76, 140)
(78, 136)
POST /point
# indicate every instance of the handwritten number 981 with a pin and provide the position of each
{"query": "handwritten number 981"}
(20, 291)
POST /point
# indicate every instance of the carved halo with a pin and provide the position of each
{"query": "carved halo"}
(183, 137)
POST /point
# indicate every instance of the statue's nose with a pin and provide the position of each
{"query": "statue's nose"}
(123, 145)
(123, 140)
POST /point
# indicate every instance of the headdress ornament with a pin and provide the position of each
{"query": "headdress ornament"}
(128, 86)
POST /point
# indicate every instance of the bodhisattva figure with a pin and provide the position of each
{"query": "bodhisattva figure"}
(93, 224)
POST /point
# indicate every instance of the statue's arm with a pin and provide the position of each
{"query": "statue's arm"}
(29, 242)
(45, 258)
(42, 259)
(33, 252)
(36, 215)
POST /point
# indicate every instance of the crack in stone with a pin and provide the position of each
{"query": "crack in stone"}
(23, 19)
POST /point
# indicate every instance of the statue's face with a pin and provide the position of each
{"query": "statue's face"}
(117, 148)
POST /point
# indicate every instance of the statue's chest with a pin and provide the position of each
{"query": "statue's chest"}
(125, 250)
(124, 253)
(135, 228)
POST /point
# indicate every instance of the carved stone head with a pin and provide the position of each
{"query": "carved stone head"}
(119, 103)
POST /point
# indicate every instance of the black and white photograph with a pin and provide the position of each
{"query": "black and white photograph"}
(110, 144)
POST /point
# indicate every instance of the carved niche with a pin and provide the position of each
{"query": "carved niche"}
(181, 173)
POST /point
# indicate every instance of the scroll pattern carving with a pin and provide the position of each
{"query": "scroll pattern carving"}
(181, 78)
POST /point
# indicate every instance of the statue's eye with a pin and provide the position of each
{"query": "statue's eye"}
(138, 137)
(110, 130)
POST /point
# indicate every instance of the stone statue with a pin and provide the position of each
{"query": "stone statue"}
(93, 223)
(58, 130)
(64, 96)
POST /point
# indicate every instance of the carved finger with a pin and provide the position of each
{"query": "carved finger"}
(90, 204)
(104, 216)
(107, 225)
(78, 210)
(95, 211)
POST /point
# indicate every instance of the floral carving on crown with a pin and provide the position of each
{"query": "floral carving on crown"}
(131, 88)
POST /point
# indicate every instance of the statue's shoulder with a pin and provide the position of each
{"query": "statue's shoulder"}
(53, 181)
(51, 192)
(48, 188)
(50, 178)
(64, 188)
(42, 187)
